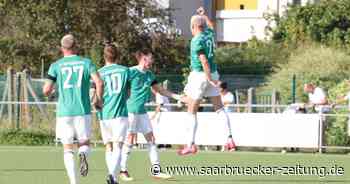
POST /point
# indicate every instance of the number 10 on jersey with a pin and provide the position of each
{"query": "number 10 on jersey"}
(113, 83)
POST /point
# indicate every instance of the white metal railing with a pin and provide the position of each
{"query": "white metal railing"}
(322, 115)
(152, 104)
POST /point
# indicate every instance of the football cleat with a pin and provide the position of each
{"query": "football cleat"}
(187, 150)
(230, 145)
(110, 180)
(124, 175)
(161, 176)
(84, 167)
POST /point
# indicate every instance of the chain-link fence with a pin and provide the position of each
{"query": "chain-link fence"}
(20, 87)
(23, 106)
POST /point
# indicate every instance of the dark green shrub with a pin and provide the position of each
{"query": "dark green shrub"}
(336, 133)
(255, 58)
(26, 137)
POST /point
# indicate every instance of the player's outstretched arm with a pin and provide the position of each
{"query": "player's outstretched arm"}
(99, 90)
(165, 92)
(201, 11)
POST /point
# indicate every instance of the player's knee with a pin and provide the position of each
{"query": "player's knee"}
(68, 147)
(192, 109)
(130, 138)
(150, 137)
(109, 147)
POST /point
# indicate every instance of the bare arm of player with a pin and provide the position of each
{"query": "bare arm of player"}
(209, 22)
(93, 97)
(165, 92)
(99, 90)
(201, 11)
(206, 69)
(157, 109)
(48, 87)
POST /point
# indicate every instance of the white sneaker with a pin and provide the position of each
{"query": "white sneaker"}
(124, 175)
(162, 176)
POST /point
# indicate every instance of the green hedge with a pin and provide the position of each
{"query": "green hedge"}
(254, 58)
(26, 137)
(336, 132)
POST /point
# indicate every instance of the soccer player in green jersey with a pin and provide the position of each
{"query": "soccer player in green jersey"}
(114, 114)
(203, 79)
(72, 75)
(142, 81)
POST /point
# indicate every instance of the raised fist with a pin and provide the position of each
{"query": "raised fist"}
(201, 11)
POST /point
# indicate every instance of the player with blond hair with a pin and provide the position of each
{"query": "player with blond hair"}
(203, 80)
(72, 74)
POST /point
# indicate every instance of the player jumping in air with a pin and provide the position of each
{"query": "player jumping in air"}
(114, 114)
(142, 80)
(72, 75)
(203, 79)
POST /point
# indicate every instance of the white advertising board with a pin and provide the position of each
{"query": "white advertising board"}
(249, 129)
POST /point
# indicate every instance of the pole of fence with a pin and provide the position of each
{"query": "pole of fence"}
(320, 142)
(278, 102)
(237, 100)
(294, 88)
(273, 100)
(2, 106)
(27, 117)
(18, 99)
(10, 72)
(251, 94)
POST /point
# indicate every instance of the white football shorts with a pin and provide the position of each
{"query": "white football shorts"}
(72, 128)
(114, 130)
(139, 123)
(198, 86)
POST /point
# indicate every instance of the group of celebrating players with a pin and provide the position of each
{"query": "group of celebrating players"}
(120, 96)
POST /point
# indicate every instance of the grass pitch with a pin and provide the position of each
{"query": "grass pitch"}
(44, 165)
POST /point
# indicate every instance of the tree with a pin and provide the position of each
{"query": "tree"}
(29, 32)
(326, 22)
(32, 30)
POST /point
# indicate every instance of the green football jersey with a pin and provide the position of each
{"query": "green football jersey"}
(140, 88)
(204, 42)
(72, 75)
(115, 78)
